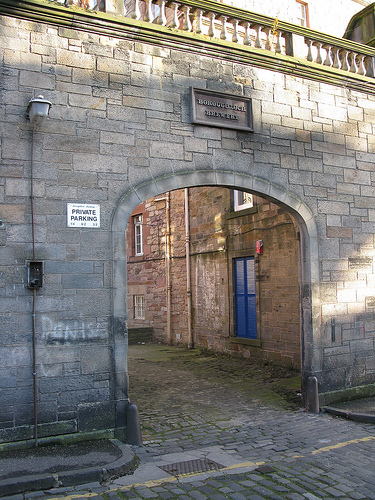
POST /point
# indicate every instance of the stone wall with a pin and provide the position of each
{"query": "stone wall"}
(120, 133)
(220, 235)
(146, 274)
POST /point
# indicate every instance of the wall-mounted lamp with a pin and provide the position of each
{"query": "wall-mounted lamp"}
(37, 110)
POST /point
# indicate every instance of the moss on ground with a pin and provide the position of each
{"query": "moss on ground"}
(165, 378)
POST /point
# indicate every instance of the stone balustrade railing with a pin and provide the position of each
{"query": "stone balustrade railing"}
(220, 21)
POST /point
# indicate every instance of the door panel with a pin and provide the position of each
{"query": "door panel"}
(245, 299)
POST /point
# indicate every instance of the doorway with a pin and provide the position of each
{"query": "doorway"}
(245, 297)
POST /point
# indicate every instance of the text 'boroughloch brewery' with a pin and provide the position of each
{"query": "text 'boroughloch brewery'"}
(221, 110)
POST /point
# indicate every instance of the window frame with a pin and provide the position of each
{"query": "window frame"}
(242, 206)
(306, 19)
(138, 234)
(139, 306)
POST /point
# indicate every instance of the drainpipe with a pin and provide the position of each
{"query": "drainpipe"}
(34, 372)
(230, 303)
(34, 293)
(188, 271)
(168, 269)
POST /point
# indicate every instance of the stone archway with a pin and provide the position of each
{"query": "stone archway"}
(308, 250)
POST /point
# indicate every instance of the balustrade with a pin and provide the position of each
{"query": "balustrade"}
(240, 27)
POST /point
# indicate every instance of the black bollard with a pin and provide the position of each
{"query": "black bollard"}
(312, 403)
(133, 426)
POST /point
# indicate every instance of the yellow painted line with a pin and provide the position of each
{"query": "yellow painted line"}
(157, 482)
(244, 464)
(338, 446)
(71, 497)
(343, 444)
(148, 484)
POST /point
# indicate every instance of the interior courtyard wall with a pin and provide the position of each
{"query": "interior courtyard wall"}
(278, 281)
(218, 236)
(209, 267)
(146, 272)
(119, 133)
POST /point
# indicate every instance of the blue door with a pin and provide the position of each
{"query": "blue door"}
(245, 302)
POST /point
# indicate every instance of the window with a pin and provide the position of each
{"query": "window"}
(139, 306)
(242, 200)
(138, 234)
(302, 13)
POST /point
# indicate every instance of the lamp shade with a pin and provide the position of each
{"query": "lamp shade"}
(38, 109)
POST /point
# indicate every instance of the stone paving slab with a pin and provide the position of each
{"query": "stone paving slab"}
(58, 466)
(57, 457)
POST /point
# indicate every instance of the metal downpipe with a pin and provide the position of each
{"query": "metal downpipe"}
(188, 271)
(34, 293)
(168, 269)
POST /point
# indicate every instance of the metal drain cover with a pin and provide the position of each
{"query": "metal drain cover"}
(191, 466)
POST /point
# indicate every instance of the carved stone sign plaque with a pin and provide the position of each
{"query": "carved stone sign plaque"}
(221, 110)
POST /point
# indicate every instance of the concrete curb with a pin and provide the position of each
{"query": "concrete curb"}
(37, 482)
(350, 415)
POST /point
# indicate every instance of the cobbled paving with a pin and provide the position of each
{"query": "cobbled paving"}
(191, 408)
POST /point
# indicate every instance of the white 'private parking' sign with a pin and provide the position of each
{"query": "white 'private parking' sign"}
(83, 215)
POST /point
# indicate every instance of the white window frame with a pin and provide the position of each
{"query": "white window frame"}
(303, 13)
(139, 307)
(242, 200)
(138, 234)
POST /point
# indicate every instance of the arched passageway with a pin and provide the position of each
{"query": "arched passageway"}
(304, 230)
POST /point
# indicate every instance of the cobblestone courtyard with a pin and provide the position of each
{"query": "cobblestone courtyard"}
(207, 409)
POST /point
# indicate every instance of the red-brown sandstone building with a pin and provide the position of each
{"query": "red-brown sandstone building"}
(223, 277)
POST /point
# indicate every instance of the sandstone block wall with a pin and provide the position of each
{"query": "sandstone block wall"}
(119, 133)
(220, 235)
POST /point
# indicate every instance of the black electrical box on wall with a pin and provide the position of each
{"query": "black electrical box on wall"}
(34, 274)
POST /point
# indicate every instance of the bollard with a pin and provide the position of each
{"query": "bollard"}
(133, 426)
(312, 403)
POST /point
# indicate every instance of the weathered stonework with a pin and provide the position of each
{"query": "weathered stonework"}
(120, 133)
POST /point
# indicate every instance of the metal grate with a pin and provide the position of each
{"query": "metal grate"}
(191, 466)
